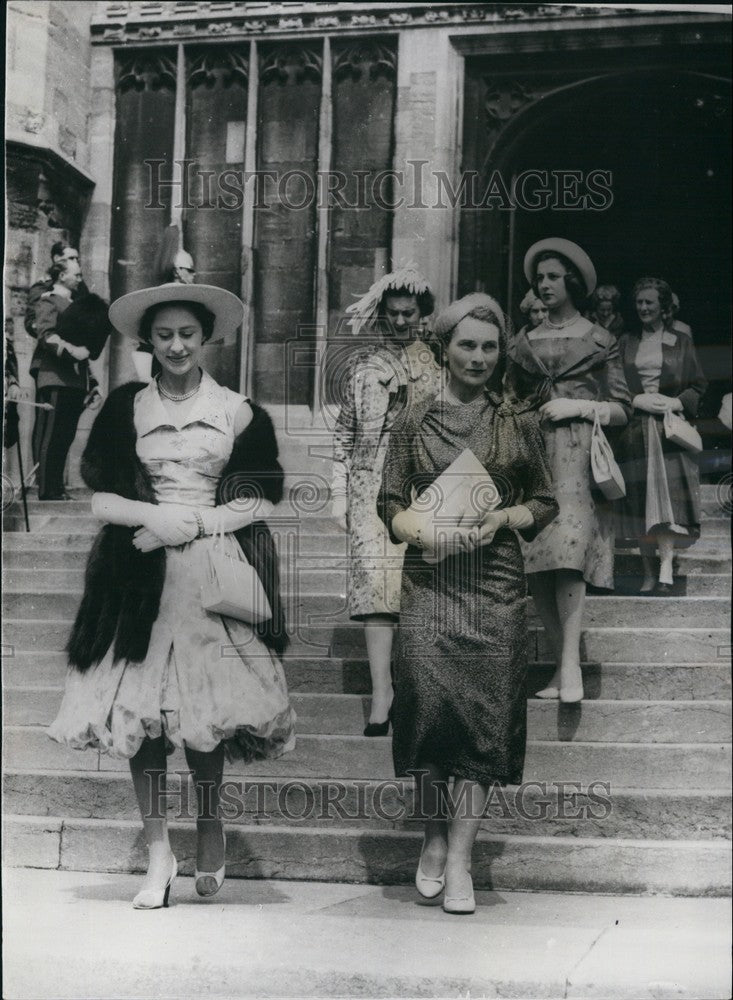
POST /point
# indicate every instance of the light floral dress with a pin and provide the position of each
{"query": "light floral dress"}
(381, 384)
(206, 678)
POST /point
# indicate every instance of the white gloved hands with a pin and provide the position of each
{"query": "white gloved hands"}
(169, 524)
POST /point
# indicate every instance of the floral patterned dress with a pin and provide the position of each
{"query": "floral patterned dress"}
(586, 366)
(381, 384)
(206, 678)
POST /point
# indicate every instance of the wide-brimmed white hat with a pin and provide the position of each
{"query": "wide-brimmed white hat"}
(126, 312)
(568, 249)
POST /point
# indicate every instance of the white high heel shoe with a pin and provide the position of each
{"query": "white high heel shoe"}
(203, 880)
(156, 899)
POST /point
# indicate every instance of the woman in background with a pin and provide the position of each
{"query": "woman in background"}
(661, 510)
(570, 370)
(397, 372)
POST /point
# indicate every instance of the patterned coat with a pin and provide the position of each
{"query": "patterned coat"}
(380, 385)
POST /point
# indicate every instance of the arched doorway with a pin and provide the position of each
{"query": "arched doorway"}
(664, 138)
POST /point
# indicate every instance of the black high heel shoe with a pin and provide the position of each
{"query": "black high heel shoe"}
(378, 728)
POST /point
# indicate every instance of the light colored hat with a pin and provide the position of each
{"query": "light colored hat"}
(572, 251)
(126, 312)
(366, 309)
(528, 301)
(458, 310)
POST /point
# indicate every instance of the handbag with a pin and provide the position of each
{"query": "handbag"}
(679, 432)
(462, 494)
(604, 467)
(232, 586)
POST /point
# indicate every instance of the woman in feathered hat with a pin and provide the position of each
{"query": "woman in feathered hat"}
(397, 371)
(172, 463)
(570, 370)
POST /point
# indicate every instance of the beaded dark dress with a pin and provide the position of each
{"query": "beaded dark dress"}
(461, 656)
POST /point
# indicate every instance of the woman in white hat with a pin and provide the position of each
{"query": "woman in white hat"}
(172, 463)
(570, 369)
(397, 371)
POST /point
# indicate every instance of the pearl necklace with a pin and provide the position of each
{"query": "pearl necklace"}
(561, 326)
(176, 398)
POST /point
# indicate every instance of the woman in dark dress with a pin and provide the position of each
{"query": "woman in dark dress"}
(460, 705)
(662, 506)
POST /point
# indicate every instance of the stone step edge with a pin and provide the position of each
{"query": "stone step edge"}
(575, 744)
(349, 696)
(124, 777)
(712, 846)
(356, 626)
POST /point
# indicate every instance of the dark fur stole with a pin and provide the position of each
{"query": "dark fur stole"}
(85, 323)
(122, 586)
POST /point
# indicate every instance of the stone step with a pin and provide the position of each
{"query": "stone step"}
(709, 585)
(337, 675)
(309, 609)
(529, 810)
(298, 500)
(703, 766)
(347, 714)
(598, 645)
(386, 857)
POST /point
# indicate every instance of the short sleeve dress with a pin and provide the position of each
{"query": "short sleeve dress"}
(552, 365)
(206, 678)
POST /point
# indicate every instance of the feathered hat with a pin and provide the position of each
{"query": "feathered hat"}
(366, 310)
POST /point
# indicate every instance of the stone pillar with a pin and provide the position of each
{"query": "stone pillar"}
(96, 244)
(427, 128)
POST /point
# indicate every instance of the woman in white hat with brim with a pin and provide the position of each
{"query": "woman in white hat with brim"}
(570, 369)
(173, 463)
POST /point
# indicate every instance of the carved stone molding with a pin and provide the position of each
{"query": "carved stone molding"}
(146, 70)
(137, 21)
(376, 57)
(286, 62)
(218, 64)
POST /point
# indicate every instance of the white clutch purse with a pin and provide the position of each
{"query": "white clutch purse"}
(679, 432)
(461, 496)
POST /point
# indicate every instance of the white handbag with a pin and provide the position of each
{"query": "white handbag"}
(232, 586)
(462, 495)
(679, 432)
(604, 467)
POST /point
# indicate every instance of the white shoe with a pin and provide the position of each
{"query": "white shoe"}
(209, 883)
(428, 887)
(460, 904)
(156, 899)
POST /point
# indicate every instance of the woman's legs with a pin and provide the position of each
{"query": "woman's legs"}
(148, 769)
(379, 634)
(543, 594)
(432, 789)
(647, 560)
(570, 596)
(665, 546)
(208, 771)
(469, 802)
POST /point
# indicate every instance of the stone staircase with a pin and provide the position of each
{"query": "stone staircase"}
(632, 787)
